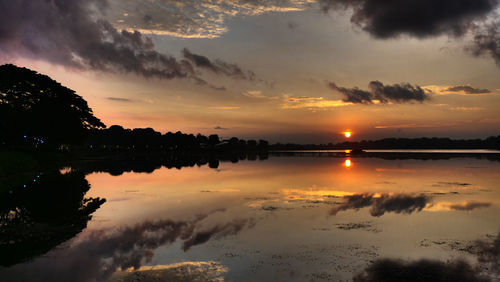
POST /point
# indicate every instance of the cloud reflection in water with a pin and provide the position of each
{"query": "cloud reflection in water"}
(103, 252)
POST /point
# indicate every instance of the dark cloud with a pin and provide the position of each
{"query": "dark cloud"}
(427, 18)
(468, 206)
(220, 128)
(69, 33)
(353, 95)
(397, 93)
(467, 89)
(380, 204)
(199, 61)
(419, 18)
(388, 270)
(217, 66)
(463, 184)
(101, 253)
(354, 202)
(398, 204)
(487, 41)
(118, 99)
(74, 34)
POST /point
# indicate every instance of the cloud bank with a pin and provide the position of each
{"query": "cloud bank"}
(467, 89)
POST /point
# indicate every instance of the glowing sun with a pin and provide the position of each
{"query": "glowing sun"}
(347, 134)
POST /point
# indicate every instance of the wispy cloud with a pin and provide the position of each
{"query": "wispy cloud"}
(466, 109)
(414, 125)
(258, 95)
(224, 108)
(254, 94)
(312, 103)
(118, 99)
(463, 206)
(465, 89)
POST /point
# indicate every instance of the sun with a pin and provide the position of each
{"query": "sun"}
(347, 134)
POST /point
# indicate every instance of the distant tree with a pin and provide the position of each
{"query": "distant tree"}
(263, 144)
(202, 139)
(233, 143)
(242, 144)
(35, 108)
(213, 139)
(252, 144)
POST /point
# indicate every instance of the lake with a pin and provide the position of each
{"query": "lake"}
(284, 218)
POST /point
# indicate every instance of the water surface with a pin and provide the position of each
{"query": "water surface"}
(288, 218)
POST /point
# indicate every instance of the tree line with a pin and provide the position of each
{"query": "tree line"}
(38, 112)
(117, 137)
(492, 142)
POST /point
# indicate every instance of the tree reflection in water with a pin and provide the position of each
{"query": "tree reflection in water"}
(41, 214)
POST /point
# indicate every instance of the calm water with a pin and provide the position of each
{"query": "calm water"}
(289, 218)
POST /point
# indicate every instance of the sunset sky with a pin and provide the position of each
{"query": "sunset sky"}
(299, 71)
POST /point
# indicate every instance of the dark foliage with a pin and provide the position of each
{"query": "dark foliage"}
(36, 110)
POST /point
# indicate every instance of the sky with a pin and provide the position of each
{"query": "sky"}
(298, 71)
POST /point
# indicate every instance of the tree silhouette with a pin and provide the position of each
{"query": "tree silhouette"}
(36, 109)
